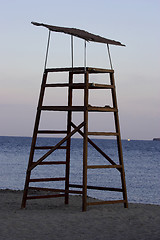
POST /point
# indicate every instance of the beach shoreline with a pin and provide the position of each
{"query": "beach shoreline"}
(52, 219)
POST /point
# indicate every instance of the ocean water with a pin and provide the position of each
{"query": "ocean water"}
(141, 161)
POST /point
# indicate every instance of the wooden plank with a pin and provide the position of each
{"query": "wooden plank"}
(55, 147)
(103, 133)
(50, 147)
(47, 179)
(56, 85)
(97, 188)
(46, 189)
(55, 190)
(74, 191)
(103, 166)
(62, 108)
(99, 70)
(101, 109)
(45, 196)
(79, 70)
(52, 131)
(78, 108)
(105, 202)
(71, 85)
(100, 86)
(80, 85)
(52, 162)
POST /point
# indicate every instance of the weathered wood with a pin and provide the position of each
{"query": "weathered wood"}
(79, 33)
(85, 144)
(56, 85)
(103, 166)
(69, 118)
(78, 108)
(52, 131)
(45, 196)
(52, 162)
(50, 147)
(101, 109)
(80, 70)
(100, 86)
(79, 85)
(46, 189)
(103, 133)
(34, 137)
(55, 190)
(96, 188)
(116, 119)
(47, 179)
(63, 108)
(105, 202)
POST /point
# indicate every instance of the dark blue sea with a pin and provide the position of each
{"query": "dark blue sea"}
(141, 161)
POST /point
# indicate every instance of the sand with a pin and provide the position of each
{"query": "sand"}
(52, 219)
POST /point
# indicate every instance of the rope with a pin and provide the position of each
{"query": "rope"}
(109, 56)
(47, 50)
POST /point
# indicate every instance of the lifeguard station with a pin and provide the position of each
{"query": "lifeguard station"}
(72, 128)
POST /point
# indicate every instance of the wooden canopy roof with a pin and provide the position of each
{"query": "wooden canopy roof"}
(79, 33)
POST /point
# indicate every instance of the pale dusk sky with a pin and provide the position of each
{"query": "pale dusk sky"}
(137, 66)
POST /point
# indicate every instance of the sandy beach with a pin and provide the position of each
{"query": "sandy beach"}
(52, 219)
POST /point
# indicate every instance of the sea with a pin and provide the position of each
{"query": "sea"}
(141, 163)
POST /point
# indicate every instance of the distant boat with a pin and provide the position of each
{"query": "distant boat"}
(156, 139)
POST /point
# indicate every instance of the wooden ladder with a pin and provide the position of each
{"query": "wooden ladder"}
(70, 131)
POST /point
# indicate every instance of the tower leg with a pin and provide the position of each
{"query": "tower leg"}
(69, 140)
(116, 118)
(85, 144)
(34, 138)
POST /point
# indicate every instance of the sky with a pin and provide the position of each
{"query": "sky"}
(137, 66)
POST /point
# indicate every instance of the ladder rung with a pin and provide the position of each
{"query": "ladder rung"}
(103, 166)
(97, 188)
(81, 85)
(49, 147)
(101, 109)
(103, 133)
(52, 131)
(78, 108)
(100, 86)
(45, 189)
(99, 70)
(62, 108)
(56, 85)
(74, 191)
(73, 85)
(45, 196)
(55, 190)
(80, 70)
(106, 202)
(47, 179)
(52, 162)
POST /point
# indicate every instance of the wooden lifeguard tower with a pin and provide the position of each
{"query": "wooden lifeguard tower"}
(72, 128)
